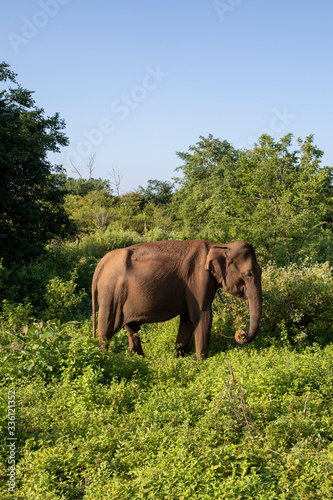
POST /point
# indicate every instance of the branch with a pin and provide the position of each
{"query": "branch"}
(76, 171)
(116, 176)
(306, 404)
(90, 164)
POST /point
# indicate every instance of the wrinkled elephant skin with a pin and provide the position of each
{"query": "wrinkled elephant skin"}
(154, 282)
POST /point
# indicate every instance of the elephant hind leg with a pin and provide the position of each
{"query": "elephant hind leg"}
(133, 339)
(108, 324)
(185, 332)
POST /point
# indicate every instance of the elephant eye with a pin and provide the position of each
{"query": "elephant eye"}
(240, 292)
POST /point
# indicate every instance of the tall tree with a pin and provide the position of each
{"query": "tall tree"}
(157, 192)
(31, 199)
(287, 199)
(205, 167)
(280, 200)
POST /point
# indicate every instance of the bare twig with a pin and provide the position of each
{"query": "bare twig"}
(232, 399)
(231, 396)
(306, 404)
(90, 164)
(276, 452)
(116, 177)
(76, 170)
(102, 218)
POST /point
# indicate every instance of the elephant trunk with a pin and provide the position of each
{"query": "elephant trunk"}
(255, 308)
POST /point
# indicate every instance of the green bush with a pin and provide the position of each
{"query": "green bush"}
(61, 297)
(298, 303)
(252, 424)
(297, 306)
(54, 352)
(38, 351)
(15, 315)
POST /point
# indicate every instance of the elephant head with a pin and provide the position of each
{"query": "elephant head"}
(235, 268)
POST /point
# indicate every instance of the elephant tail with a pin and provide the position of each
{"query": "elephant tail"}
(93, 298)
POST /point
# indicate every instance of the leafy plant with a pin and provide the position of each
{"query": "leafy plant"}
(61, 296)
(31, 198)
(298, 303)
(249, 424)
(38, 351)
(15, 315)
(297, 306)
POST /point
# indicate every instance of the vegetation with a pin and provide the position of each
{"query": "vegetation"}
(31, 199)
(280, 200)
(249, 422)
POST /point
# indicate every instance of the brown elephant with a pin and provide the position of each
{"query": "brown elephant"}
(154, 282)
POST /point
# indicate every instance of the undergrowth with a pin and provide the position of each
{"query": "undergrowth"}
(249, 422)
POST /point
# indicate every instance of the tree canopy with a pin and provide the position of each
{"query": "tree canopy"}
(81, 186)
(31, 198)
(275, 195)
(277, 198)
(157, 192)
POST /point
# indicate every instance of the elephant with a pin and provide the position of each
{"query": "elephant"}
(155, 281)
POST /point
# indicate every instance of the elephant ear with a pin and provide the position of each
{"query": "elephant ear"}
(216, 262)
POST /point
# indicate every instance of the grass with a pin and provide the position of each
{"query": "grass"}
(246, 423)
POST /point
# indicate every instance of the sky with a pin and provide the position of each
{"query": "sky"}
(137, 81)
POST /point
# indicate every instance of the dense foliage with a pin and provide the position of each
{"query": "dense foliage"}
(246, 423)
(31, 198)
(280, 200)
(249, 422)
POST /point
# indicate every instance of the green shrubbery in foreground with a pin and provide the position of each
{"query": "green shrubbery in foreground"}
(249, 422)
(246, 423)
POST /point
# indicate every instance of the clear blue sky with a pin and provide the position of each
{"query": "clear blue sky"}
(137, 81)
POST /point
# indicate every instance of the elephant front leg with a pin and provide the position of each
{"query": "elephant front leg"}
(133, 339)
(185, 332)
(202, 334)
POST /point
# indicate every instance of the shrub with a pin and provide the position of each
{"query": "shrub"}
(62, 298)
(298, 303)
(297, 306)
(37, 352)
(174, 428)
(15, 315)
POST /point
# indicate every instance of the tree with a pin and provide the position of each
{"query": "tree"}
(287, 199)
(31, 196)
(81, 186)
(89, 210)
(279, 200)
(200, 198)
(157, 192)
(116, 177)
